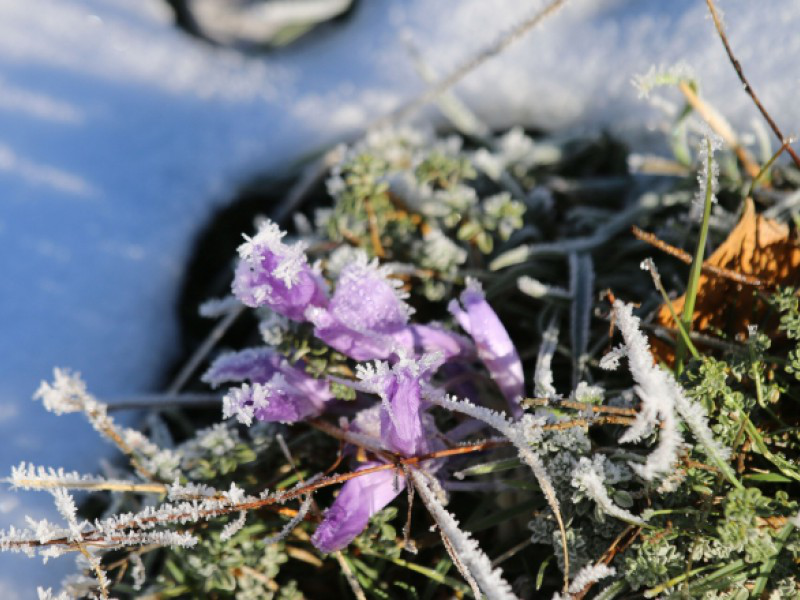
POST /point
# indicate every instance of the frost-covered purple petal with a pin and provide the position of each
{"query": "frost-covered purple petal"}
(275, 274)
(400, 389)
(254, 364)
(275, 401)
(358, 500)
(417, 340)
(278, 391)
(494, 346)
(364, 314)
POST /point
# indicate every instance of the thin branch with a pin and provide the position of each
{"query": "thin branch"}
(205, 348)
(166, 402)
(747, 87)
(470, 65)
(685, 257)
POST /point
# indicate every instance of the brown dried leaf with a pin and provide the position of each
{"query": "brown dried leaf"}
(757, 246)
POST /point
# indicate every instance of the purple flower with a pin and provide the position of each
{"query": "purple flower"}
(491, 339)
(278, 391)
(358, 500)
(403, 429)
(277, 275)
(400, 389)
(367, 319)
(365, 314)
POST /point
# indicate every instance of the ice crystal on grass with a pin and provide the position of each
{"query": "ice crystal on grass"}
(657, 393)
(662, 398)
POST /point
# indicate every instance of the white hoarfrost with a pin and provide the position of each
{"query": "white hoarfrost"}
(663, 400)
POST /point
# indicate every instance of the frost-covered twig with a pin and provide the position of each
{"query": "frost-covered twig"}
(479, 567)
(68, 394)
(661, 397)
(521, 434)
(30, 477)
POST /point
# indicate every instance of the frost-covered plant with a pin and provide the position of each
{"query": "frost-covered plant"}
(407, 379)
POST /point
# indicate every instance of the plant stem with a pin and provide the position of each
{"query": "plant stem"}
(697, 264)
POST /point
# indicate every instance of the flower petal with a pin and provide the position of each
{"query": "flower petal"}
(358, 500)
(365, 312)
(276, 274)
(494, 346)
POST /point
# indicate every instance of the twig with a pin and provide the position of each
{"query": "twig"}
(473, 63)
(574, 404)
(747, 87)
(685, 257)
(200, 354)
(166, 402)
(89, 538)
(95, 486)
(512, 551)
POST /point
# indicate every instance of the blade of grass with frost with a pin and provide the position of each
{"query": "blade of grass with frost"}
(708, 181)
(650, 266)
(521, 433)
(581, 275)
(769, 564)
(536, 289)
(458, 113)
(662, 396)
(543, 375)
(490, 580)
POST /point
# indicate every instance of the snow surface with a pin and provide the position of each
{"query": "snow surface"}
(119, 135)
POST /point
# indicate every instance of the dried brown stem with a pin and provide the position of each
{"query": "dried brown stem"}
(747, 87)
(685, 257)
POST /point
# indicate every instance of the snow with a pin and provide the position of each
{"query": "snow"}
(119, 135)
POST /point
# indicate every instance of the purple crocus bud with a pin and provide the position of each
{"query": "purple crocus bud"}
(358, 500)
(278, 391)
(276, 274)
(400, 389)
(366, 310)
(491, 339)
